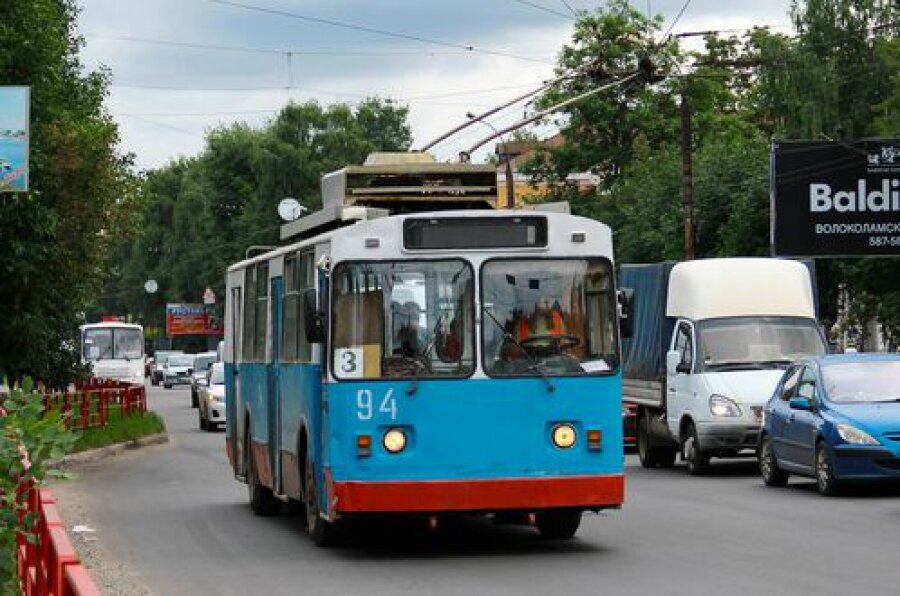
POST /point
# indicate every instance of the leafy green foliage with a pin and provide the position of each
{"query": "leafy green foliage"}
(54, 239)
(26, 435)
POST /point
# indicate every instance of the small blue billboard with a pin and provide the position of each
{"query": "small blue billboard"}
(14, 116)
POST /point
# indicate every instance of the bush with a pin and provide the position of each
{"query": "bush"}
(28, 438)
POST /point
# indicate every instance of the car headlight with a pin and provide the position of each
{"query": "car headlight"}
(854, 436)
(724, 407)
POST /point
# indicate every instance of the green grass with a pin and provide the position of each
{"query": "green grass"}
(119, 430)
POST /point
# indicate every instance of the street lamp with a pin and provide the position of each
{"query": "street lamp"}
(505, 157)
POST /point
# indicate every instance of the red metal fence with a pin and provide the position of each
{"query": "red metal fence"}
(90, 402)
(50, 565)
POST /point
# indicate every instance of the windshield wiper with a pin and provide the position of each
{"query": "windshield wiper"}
(778, 362)
(535, 366)
(734, 364)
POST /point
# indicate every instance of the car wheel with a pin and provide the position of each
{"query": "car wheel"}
(201, 420)
(696, 459)
(153, 381)
(322, 531)
(828, 485)
(557, 524)
(772, 475)
(194, 399)
(262, 502)
(167, 385)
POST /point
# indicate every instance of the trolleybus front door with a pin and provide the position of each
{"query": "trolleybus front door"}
(274, 386)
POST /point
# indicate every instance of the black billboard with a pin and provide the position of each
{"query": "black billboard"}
(836, 198)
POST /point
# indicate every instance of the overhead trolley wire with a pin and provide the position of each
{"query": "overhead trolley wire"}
(547, 9)
(375, 31)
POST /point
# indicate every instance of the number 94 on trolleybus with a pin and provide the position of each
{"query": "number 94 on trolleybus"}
(459, 361)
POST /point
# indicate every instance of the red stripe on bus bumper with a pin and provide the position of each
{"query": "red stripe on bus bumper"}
(480, 495)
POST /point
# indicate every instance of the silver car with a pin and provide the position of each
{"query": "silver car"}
(177, 370)
(212, 398)
(202, 362)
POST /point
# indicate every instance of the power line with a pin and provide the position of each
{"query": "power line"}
(277, 51)
(675, 22)
(373, 30)
(546, 9)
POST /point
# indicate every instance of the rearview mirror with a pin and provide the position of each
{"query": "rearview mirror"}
(625, 298)
(801, 403)
(314, 321)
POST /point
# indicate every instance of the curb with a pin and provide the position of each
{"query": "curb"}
(110, 450)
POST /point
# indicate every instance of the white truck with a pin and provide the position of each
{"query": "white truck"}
(711, 338)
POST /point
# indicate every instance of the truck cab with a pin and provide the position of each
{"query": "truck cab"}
(729, 328)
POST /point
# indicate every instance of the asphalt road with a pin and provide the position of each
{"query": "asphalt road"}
(175, 518)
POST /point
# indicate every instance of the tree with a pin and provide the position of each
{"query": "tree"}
(198, 216)
(54, 239)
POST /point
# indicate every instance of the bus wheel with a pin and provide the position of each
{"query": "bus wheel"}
(322, 532)
(261, 500)
(558, 524)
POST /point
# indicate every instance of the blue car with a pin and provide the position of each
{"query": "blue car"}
(835, 418)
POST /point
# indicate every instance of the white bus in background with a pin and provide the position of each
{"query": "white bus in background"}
(114, 350)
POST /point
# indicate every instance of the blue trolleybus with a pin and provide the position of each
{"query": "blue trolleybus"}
(426, 363)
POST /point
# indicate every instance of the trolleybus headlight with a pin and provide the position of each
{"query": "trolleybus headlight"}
(563, 435)
(394, 440)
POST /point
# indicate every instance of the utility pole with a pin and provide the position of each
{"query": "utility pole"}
(687, 174)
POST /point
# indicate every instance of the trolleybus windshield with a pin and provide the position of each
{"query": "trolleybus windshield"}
(412, 319)
(548, 317)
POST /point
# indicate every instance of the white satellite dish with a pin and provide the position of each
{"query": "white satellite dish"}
(290, 209)
(150, 286)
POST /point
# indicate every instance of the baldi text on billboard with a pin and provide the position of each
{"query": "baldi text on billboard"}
(836, 198)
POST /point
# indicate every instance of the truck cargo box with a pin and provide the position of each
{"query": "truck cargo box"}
(644, 353)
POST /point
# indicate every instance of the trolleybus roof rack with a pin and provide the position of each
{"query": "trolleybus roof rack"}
(393, 183)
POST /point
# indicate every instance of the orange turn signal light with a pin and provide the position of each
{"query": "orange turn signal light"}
(595, 438)
(363, 445)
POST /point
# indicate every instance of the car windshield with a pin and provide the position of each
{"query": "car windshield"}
(862, 382)
(180, 360)
(549, 316)
(740, 342)
(115, 343)
(202, 363)
(217, 374)
(403, 319)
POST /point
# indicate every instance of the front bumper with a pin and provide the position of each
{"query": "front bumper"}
(728, 436)
(178, 380)
(528, 494)
(856, 462)
(216, 412)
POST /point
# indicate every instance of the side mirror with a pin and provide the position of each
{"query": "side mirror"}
(625, 299)
(801, 403)
(190, 371)
(673, 359)
(313, 319)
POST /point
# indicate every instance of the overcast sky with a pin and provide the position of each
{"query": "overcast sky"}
(167, 91)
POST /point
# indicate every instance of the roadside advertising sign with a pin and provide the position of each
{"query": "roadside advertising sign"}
(191, 319)
(14, 132)
(835, 198)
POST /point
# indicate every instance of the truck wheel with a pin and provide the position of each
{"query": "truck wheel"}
(201, 420)
(646, 453)
(828, 485)
(261, 500)
(771, 474)
(557, 524)
(322, 531)
(697, 460)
